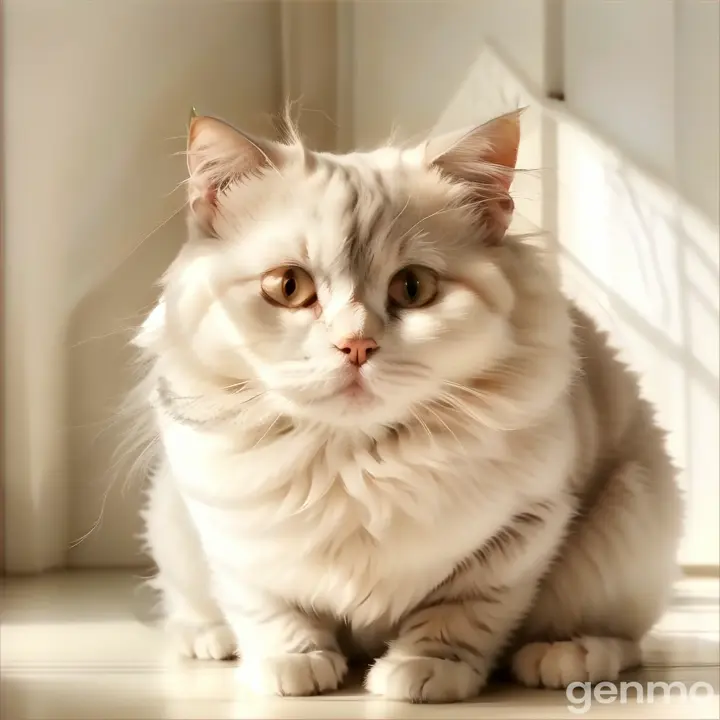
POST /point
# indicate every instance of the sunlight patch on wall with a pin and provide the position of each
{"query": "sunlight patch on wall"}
(646, 267)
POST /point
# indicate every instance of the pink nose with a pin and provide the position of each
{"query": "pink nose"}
(358, 350)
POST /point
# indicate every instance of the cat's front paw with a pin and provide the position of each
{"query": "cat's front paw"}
(294, 674)
(204, 641)
(583, 659)
(423, 679)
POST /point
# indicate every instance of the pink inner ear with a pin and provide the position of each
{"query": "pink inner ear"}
(504, 139)
(218, 152)
(472, 156)
(217, 155)
(484, 160)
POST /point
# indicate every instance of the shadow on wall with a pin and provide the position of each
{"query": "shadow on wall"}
(645, 264)
(123, 259)
(101, 370)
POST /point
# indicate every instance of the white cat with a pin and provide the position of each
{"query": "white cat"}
(383, 429)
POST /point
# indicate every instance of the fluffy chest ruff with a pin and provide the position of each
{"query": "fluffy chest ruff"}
(357, 528)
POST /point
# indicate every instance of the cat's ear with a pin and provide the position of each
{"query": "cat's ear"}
(218, 155)
(484, 159)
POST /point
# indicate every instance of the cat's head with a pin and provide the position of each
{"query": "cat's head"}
(353, 290)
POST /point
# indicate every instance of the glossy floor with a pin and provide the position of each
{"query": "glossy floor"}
(85, 646)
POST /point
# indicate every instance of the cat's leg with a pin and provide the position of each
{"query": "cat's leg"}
(448, 645)
(284, 650)
(609, 585)
(192, 617)
(582, 659)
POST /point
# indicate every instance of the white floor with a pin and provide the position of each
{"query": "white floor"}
(85, 646)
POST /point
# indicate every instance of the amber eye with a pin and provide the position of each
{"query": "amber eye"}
(413, 287)
(289, 287)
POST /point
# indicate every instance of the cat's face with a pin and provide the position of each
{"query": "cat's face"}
(351, 290)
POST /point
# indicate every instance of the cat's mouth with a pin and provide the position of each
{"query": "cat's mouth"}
(355, 391)
(356, 388)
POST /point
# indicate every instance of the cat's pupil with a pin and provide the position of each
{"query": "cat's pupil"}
(289, 286)
(412, 286)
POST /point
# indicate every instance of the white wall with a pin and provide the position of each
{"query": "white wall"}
(697, 104)
(646, 73)
(97, 95)
(619, 68)
(640, 249)
(412, 59)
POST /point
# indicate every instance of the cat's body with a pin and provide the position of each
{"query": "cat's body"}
(489, 478)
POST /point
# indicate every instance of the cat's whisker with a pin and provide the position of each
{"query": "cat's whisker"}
(98, 521)
(245, 401)
(146, 455)
(123, 330)
(428, 407)
(423, 424)
(267, 431)
(157, 228)
(397, 217)
(240, 384)
(471, 391)
(237, 388)
(461, 407)
(449, 208)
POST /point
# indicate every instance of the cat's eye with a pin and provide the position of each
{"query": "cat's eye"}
(413, 287)
(289, 287)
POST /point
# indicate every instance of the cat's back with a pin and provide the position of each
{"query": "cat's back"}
(614, 421)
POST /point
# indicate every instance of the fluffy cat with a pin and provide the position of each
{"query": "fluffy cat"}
(384, 430)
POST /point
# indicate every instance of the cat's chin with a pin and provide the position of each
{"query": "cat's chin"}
(354, 408)
(350, 401)
(352, 395)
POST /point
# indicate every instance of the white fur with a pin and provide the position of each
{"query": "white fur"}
(300, 518)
